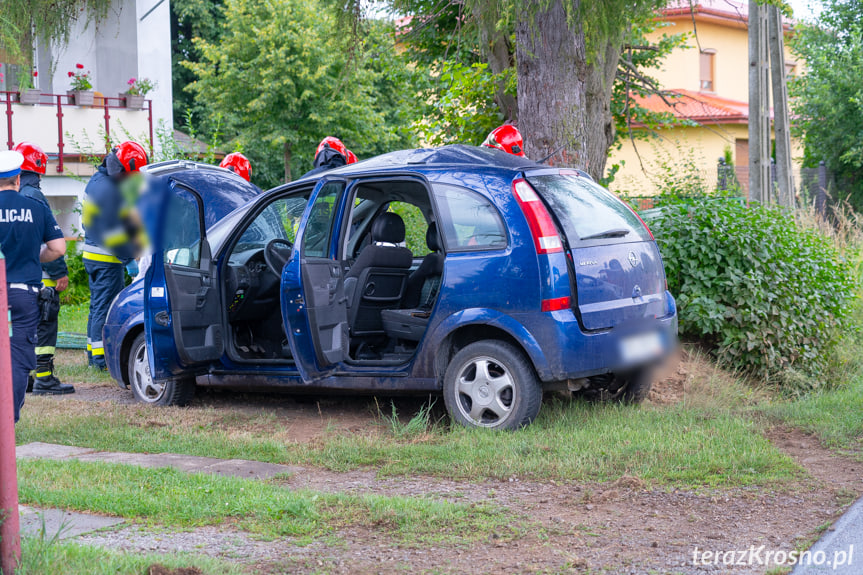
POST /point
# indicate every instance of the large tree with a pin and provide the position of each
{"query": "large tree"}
(576, 65)
(827, 100)
(279, 79)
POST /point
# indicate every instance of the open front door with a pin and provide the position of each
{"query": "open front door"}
(182, 301)
(314, 306)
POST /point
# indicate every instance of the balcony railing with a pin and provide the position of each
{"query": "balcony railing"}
(54, 123)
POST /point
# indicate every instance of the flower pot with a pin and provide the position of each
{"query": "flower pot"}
(133, 101)
(29, 96)
(81, 97)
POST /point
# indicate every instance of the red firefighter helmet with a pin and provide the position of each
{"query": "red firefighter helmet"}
(239, 164)
(35, 159)
(335, 144)
(506, 138)
(352, 157)
(131, 155)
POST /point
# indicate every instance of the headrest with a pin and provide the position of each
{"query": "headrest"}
(388, 227)
(432, 239)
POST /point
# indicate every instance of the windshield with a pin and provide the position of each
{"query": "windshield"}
(217, 234)
(588, 211)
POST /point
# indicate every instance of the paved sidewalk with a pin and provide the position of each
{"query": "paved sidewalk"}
(62, 524)
(189, 463)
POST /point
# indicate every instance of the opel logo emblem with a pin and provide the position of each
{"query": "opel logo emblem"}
(633, 259)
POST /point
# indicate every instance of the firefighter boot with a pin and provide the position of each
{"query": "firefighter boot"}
(46, 382)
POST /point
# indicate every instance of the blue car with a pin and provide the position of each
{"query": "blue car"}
(530, 279)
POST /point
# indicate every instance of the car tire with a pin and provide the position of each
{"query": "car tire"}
(638, 386)
(491, 384)
(173, 392)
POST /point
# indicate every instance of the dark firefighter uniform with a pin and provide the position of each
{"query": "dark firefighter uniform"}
(25, 225)
(109, 236)
(106, 252)
(49, 305)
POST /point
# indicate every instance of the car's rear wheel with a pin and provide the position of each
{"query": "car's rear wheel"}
(491, 384)
(145, 390)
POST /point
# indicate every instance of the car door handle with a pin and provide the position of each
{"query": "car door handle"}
(201, 297)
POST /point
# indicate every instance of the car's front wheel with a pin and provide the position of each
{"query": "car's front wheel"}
(145, 390)
(491, 384)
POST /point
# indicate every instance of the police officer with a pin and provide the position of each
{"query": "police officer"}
(331, 153)
(108, 238)
(25, 225)
(54, 280)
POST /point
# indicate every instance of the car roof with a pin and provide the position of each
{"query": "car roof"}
(221, 190)
(452, 156)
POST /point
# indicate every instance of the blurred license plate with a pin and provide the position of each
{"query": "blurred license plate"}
(641, 347)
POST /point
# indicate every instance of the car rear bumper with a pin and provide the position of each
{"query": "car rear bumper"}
(571, 353)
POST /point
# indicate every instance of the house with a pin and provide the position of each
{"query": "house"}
(708, 81)
(132, 41)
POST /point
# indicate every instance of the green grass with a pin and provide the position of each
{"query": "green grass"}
(833, 415)
(174, 498)
(73, 318)
(71, 367)
(41, 556)
(569, 441)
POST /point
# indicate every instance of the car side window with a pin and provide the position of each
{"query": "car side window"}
(319, 228)
(469, 222)
(182, 230)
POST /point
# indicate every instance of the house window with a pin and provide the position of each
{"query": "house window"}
(708, 70)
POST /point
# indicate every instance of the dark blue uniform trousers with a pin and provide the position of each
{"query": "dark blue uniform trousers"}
(106, 281)
(24, 311)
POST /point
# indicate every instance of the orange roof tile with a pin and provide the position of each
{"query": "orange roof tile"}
(698, 107)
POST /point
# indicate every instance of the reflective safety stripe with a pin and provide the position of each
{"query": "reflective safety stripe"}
(101, 258)
(48, 282)
(47, 350)
(89, 210)
(43, 373)
(98, 351)
(89, 347)
(115, 238)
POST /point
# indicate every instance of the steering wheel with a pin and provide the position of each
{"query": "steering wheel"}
(276, 254)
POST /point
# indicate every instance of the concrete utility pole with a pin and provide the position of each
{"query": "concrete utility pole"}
(759, 106)
(781, 123)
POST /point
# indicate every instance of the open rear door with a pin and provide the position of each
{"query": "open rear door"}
(182, 300)
(314, 306)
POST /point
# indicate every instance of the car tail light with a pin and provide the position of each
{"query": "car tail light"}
(542, 228)
(640, 220)
(555, 304)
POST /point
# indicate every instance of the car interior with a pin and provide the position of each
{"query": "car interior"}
(392, 272)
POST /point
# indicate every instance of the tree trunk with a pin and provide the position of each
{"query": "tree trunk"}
(564, 102)
(287, 162)
(496, 48)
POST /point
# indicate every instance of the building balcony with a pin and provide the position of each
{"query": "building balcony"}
(73, 137)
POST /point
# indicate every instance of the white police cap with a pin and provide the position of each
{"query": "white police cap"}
(10, 163)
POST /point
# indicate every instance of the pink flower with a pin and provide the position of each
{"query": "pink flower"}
(131, 81)
(79, 66)
(71, 74)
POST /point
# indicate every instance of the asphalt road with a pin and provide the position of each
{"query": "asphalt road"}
(840, 549)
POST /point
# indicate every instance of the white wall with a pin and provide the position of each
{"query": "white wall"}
(154, 57)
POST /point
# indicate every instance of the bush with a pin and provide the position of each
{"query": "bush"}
(768, 295)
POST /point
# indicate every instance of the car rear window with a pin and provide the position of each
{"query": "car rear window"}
(468, 221)
(587, 210)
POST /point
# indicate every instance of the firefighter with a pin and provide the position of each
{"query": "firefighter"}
(506, 138)
(331, 153)
(54, 280)
(352, 157)
(29, 234)
(239, 164)
(109, 237)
